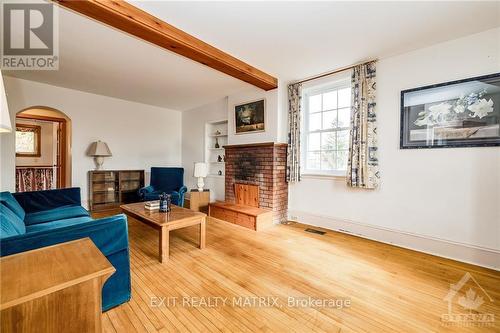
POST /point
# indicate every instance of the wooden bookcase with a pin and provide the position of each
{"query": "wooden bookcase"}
(109, 189)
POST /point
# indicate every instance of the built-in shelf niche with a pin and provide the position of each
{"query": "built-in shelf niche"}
(215, 131)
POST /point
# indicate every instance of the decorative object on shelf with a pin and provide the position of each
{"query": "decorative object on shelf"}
(215, 141)
(220, 173)
(99, 150)
(250, 117)
(165, 202)
(463, 113)
(200, 172)
(5, 125)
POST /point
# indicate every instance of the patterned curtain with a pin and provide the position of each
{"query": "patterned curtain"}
(294, 116)
(34, 179)
(362, 165)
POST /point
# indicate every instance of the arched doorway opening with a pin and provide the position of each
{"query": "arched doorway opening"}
(43, 149)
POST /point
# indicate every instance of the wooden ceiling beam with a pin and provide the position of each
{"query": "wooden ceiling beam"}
(130, 19)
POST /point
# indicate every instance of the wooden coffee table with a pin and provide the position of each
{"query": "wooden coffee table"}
(177, 218)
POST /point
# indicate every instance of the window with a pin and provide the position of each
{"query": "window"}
(28, 140)
(326, 129)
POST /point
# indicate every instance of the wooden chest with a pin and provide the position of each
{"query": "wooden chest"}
(246, 216)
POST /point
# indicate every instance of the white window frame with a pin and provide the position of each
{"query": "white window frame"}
(306, 93)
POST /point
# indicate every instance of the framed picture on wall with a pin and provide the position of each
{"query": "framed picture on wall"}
(463, 113)
(250, 117)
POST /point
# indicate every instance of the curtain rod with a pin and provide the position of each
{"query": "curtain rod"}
(342, 69)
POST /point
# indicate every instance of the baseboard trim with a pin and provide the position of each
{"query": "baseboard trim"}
(471, 254)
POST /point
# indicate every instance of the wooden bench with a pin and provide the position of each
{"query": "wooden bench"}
(246, 216)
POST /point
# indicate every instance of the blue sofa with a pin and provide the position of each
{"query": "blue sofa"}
(31, 220)
(168, 180)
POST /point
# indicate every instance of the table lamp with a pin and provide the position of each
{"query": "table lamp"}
(99, 150)
(200, 172)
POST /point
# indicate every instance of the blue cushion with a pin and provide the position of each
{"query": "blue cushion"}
(167, 179)
(8, 199)
(58, 224)
(151, 196)
(61, 213)
(11, 224)
(36, 201)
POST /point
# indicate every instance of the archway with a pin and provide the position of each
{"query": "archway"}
(43, 149)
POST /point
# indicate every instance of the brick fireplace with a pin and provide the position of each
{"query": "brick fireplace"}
(264, 165)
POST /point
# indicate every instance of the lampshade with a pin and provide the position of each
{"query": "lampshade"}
(200, 169)
(5, 125)
(99, 148)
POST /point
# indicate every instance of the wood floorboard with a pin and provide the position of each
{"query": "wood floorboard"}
(391, 289)
(107, 326)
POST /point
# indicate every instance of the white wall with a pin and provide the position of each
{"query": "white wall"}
(193, 143)
(272, 119)
(444, 194)
(193, 131)
(139, 135)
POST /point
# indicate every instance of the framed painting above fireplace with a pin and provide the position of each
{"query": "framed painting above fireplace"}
(250, 117)
(464, 113)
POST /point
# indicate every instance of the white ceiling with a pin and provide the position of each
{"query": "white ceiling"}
(293, 40)
(290, 40)
(98, 59)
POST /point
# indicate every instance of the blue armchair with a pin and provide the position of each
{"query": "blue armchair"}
(168, 180)
(31, 220)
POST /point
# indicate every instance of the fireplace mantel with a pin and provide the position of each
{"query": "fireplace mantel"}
(262, 144)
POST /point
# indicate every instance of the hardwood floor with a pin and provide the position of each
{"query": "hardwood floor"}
(390, 288)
